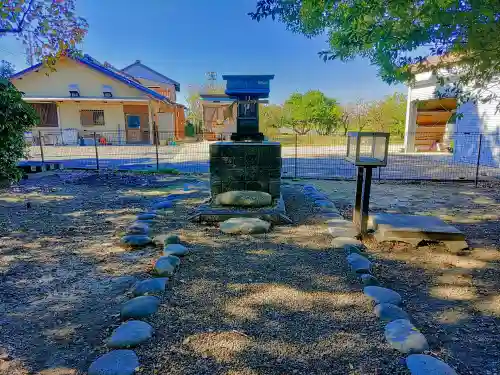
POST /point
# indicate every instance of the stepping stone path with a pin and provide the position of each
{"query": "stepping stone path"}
(138, 228)
(244, 225)
(150, 286)
(140, 307)
(348, 230)
(368, 280)
(116, 362)
(421, 364)
(162, 205)
(136, 240)
(147, 216)
(166, 265)
(359, 263)
(324, 203)
(175, 249)
(388, 312)
(130, 334)
(405, 337)
(244, 198)
(382, 295)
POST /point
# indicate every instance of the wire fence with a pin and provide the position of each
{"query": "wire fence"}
(463, 157)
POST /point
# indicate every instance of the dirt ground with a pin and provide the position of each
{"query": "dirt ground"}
(454, 300)
(281, 303)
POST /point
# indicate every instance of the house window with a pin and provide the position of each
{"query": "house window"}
(47, 112)
(92, 117)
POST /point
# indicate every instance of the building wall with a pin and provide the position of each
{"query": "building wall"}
(474, 119)
(38, 84)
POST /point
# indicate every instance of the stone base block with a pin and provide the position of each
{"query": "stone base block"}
(212, 213)
(245, 166)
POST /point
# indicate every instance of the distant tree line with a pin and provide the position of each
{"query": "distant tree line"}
(315, 113)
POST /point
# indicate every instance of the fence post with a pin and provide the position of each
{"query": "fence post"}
(41, 146)
(157, 140)
(478, 158)
(96, 152)
(296, 151)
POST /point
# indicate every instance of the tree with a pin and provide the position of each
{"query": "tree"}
(388, 114)
(49, 27)
(344, 120)
(6, 69)
(399, 36)
(271, 118)
(312, 110)
(16, 117)
(357, 114)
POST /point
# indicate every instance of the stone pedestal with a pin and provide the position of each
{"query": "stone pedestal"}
(245, 166)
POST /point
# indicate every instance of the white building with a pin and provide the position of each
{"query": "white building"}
(436, 124)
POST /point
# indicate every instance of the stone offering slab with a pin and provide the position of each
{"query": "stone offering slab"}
(414, 229)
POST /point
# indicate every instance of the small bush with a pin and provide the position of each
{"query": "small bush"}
(16, 117)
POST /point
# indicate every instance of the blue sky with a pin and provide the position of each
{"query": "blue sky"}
(184, 39)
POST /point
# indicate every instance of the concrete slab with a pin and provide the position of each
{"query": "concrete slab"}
(414, 229)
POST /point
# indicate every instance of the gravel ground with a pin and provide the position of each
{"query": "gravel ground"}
(454, 300)
(62, 275)
(281, 303)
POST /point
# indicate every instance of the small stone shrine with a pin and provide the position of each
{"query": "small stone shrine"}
(247, 163)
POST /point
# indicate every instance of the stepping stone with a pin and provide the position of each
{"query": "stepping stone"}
(344, 229)
(162, 205)
(147, 216)
(135, 240)
(175, 249)
(388, 312)
(130, 334)
(244, 225)
(150, 286)
(166, 265)
(422, 364)
(140, 307)
(414, 229)
(116, 362)
(324, 203)
(138, 228)
(164, 239)
(244, 198)
(359, 263)
(147, 222)
(405, 337)
(348, 244)
(382, 295)
(368, 280)
(172, 239)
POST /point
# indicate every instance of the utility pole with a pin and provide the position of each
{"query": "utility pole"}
(211, 77)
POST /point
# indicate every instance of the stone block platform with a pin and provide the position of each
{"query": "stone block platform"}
(245, 166)
(414, 229)
(210, 212)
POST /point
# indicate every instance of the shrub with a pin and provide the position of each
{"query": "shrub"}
(16, 117)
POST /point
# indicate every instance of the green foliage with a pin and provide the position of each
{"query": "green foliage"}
(6, 69)
(398, 36)
(16, 117)
(51, 27)
(312, 111)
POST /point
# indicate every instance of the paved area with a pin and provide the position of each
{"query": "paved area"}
(303, 162)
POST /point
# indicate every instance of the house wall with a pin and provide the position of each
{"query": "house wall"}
(38, 84)
(474, 119)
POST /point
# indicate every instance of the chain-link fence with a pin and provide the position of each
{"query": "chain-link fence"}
(465, 156)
